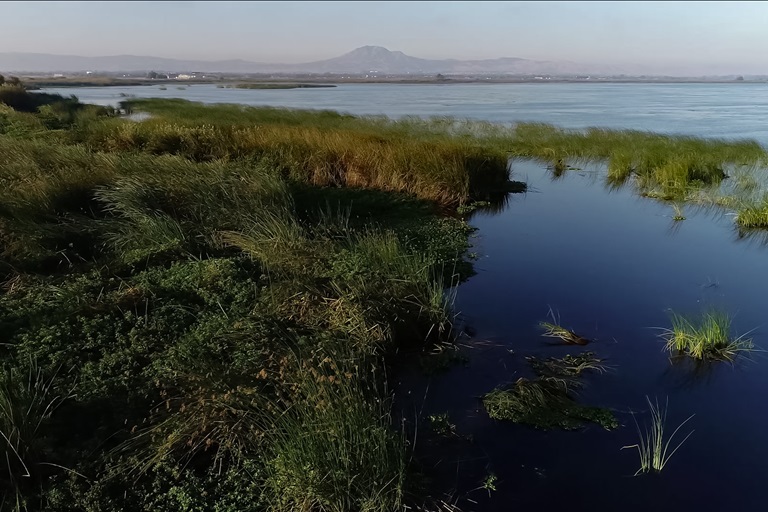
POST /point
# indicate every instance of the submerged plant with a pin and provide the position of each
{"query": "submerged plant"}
(706, 337)
(653, 450)
(441, 424)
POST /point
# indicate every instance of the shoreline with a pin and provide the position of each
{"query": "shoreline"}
(298, 81)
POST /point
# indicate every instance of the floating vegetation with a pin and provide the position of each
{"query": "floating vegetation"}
(441, 425)
(555, 330)
(705, 337)
(546, 402)
(568, 366)
(653, 450)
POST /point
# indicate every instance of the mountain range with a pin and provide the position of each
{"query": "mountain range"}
(364, 60)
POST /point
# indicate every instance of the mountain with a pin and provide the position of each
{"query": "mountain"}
(364, 60)
(375, 59)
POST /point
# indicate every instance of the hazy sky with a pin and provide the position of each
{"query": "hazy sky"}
(691, 37)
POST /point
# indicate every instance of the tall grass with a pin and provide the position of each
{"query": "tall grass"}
(320, 148)
(27, 403)
(335, 450)
(652, 448)
(442, 159)
(705, 337)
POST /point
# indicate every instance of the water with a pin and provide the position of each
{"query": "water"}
(716, 110)
(611, 264)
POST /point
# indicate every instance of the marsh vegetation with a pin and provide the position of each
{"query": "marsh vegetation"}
(707, 336)
(199, 310)
(184, 304)
(547, 401)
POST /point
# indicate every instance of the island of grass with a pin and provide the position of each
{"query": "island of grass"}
(279, 85)
(547, 401)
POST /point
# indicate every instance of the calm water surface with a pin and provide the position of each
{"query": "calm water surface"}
(717, 110)
(610, 264)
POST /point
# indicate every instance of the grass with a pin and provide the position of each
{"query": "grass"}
(652, 448)
(215, 296)
(568, 366)
(555, 330)
(543, 403)
(547, 402)
(705, 337)
(226, 285)
(753, 215)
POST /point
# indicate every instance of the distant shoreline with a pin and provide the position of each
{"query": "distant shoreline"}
(312, 81)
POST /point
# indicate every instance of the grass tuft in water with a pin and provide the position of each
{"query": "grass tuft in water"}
(568, 366)
(753, 215)
(706, 337)
(555, 330)
(653, 450)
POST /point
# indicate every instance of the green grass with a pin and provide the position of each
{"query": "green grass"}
(555, 330)
(653, 449)
(753, 215)
(568, 366)
(568, 337)
(544, 403)
(707, 336)
(547, 402)
(213, 298)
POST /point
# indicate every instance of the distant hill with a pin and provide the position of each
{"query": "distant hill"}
(364, 60)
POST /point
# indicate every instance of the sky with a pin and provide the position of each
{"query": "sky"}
(646, 37)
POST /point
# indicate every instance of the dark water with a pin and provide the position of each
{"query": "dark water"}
(610, 264)
(717, 110)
